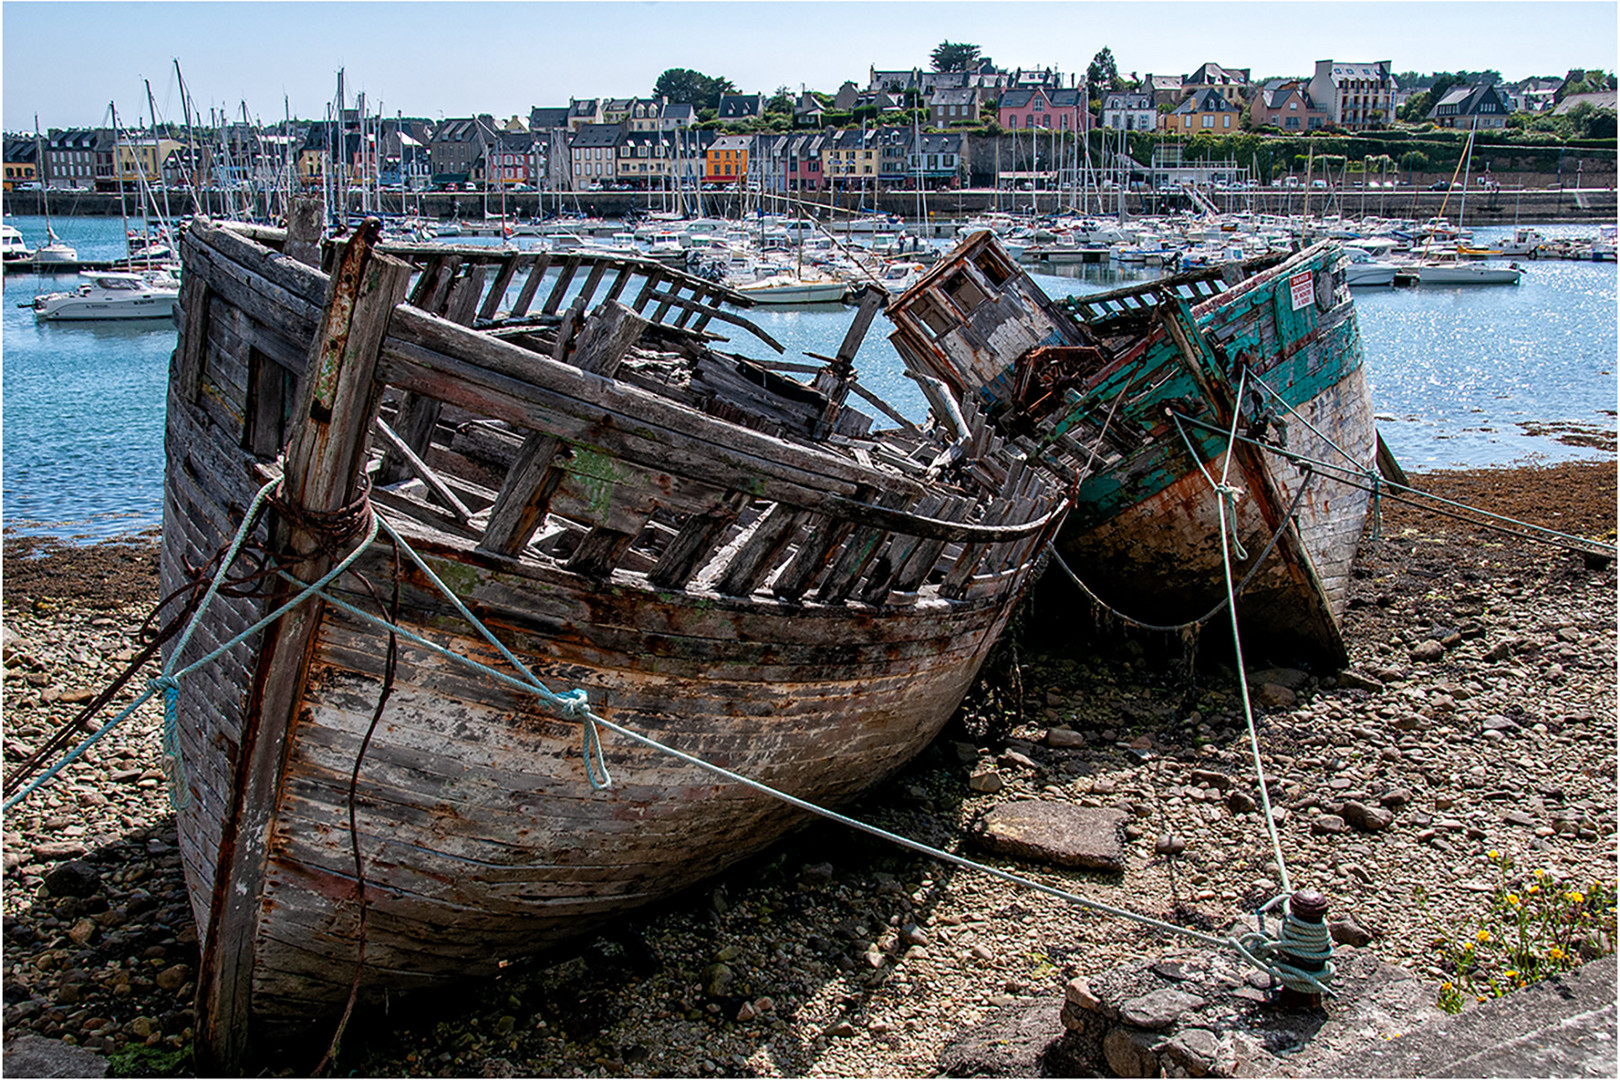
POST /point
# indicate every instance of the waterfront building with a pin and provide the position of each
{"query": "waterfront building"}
(1285, 104)
(78, 157)
(1129, 112)
(808, 110)
(804, 159)
(850, 159)
(1231, 83)
(1163, 89)
(458, 145)
(934, 160)
(1206, 110)
(593, 150)
(1356, 96)
(21, 161)
(511, 159)
(647, 158)
(1060, 110)
(582, 111)
(1478, 107)
(725, 161)
(954, 106)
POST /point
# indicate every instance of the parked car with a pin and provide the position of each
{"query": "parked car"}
(1443, 185)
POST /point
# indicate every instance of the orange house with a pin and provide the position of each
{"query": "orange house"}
(726, 160)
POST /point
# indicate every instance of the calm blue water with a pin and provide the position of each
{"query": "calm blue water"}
(1460, 377)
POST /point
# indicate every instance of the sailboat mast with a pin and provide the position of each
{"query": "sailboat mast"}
(157, 160)
(118, 178)
(192, 159)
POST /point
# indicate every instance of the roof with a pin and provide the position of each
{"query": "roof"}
(955, 97)
(541, 118)
(732, 142)
(676, 110)
(1204, 101)
(739, 106)
(1276, 92)
(582, 107)
(1602, 100)
(1212, 74)
(1059, 99)
(1468, 100)
(590, 135)
(1376, 69)
(1128, 101)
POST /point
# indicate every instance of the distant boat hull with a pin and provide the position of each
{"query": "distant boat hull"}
(1469, 274)
(800, 292)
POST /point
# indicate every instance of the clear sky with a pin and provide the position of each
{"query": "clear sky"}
(66, 60)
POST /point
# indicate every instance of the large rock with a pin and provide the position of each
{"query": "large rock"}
(1012, 1041)
(35, 1055)
(1055, 832)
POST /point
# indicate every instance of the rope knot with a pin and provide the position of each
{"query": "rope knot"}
(1229, 495)
(572, 704)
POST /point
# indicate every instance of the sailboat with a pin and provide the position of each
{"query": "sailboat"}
(1450, 267)
(53, 252)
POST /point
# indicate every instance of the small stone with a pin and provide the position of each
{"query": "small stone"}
(988, 781)
(841, 1030)
(1240, 802)
(1196, 1050)
(72, 878)
(57, 851)
(912, 934)
(1013, 759)
(1065, 739)
(1519, 818)
(1170, 844)
(1428, 651)
(1366, 818)
(175, 977)
(1130, 1053)
(1355, 680)
(35, 1055)
(817, 873)
(1078, 992)
(717, 979)
(1347, 931)
(82, 931)
(746, 1012)
(1395, 798)
(1275, 696)
(1499, 652)
(1327, 825)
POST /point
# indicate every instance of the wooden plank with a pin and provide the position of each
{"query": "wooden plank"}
(337, 398)
(531, 285)
(564, 277)
(438, 294)
(599, 552)
(857, 554)
(694, 543)
(592, 280)
(305, 216)
(648, 287)
(619, 283)
(420, 468)
(810, 559)
(497, 291)
(757, 556)
(886, 570)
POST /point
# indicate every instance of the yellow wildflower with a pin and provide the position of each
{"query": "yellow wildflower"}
(1540, 874)
(1532, 890)
(1510, 974)
(1555, 953)
(1494, 854)
(1575, 898)
(1446, 986)
(1513, 898)
(1483, 936)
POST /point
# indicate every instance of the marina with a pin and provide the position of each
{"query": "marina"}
(1459, 377)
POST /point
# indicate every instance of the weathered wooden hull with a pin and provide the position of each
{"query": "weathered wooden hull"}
(1145, 531)
(799, 617)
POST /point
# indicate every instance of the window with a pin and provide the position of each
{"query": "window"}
(1209, 121)
(1226, 121)
(932, 314)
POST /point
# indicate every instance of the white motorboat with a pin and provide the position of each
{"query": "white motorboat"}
(783, 286)
(12, 247)
(1526, 241)
(112, 294)
(1447, 269)
(1362, 269)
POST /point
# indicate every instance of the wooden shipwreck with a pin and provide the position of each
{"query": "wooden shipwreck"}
(723, 558)
(1096, 386)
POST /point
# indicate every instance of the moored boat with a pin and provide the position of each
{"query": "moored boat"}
(1133, 392)
(111, 294)
(724, 559)
(13, 249)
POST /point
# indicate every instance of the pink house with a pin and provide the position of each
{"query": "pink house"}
(1058, 110)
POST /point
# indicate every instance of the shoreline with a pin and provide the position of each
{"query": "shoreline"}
(845, 957)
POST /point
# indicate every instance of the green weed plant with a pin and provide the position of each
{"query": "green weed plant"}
(1538, 923)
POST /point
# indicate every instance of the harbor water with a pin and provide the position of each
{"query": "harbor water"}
(1461, 377)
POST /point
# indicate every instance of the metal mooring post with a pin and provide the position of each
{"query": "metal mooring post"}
(1309, 906)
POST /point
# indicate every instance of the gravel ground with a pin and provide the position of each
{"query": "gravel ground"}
(1478, 713)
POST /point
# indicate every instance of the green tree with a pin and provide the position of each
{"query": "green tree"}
(683, 85)
(954, 56)
(1103, 73)
(780, 102)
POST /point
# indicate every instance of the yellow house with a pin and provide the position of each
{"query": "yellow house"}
(144, 158)
(851, 158)
(726, 160)
(1205, 110)
(19, 164)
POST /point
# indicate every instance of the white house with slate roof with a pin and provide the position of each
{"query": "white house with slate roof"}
(1355, 96)
(1474, 108)
(1129, 112)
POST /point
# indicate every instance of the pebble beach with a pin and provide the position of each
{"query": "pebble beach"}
(1477, 716)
